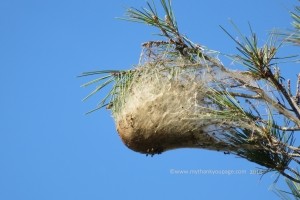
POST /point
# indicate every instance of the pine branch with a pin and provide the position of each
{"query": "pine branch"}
(249, 132)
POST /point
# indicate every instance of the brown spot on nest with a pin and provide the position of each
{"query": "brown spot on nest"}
(152, 142)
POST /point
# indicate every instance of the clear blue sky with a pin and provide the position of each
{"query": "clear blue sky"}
(49, 150)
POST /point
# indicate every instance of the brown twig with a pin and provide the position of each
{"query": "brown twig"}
(298, 91)
(279, 86)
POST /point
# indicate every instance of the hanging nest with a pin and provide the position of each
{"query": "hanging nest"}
(164, 103)
(170, 101)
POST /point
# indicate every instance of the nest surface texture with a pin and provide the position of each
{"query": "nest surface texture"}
(165, 106)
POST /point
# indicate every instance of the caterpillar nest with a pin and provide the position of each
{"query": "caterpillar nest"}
(164, 104)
